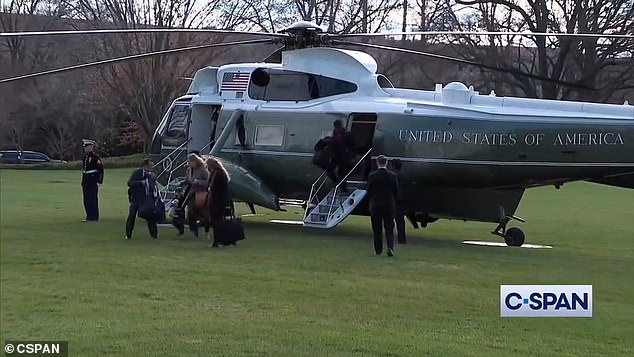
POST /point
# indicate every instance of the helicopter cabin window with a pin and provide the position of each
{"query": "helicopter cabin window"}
(269, 135)
(383, 82)
(176, 133)
(279, 85)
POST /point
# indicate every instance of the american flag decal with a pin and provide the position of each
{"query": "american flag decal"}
(235, 81)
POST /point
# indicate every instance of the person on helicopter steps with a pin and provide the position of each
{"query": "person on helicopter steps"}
(341, 146)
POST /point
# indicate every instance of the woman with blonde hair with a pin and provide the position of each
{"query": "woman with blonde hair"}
(196, 177)
(220, 198)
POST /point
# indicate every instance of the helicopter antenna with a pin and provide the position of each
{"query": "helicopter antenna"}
(133, 57)
(459, 60)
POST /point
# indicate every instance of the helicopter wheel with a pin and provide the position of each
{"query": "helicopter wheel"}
(514, 237)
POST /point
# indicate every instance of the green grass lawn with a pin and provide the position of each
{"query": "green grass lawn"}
(291, 291)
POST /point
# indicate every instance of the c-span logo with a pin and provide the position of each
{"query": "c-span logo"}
(546, 300)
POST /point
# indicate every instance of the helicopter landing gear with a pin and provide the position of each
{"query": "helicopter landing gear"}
(417, 217)
(513, 237)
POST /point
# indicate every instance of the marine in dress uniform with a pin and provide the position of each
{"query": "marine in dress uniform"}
(92, 176)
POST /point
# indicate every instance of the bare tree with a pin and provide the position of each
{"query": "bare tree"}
(60, 136)
(605, 64)
(334, 15)
(26, 103)
(145, 88)
(434, 15)
(13, 19)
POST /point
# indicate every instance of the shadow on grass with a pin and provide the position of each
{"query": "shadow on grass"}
(348, 232)
(260, 228)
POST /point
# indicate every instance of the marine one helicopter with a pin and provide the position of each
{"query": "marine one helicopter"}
(467, 156)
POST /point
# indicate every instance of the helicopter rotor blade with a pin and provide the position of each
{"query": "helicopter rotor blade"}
(484, 33)
(120, 31)
(459, 60)
(275, 56)
(134, 57)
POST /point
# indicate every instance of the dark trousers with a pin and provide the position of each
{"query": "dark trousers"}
(129, 224)
(178, 221)
(399, 218)
(337, 171)
(91, 204)
(382, 219)
(192, 220)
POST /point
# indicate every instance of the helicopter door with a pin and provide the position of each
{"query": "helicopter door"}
(361, 127)
(215, 114)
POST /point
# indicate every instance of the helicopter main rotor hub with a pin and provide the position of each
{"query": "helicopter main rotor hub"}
(304, 34)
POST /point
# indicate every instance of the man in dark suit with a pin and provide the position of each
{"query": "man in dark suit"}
(399, 213)
(382, 190)
(141, 185)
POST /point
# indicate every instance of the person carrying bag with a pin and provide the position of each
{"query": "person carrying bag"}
(144, 200)
(229, 229)
(226, 227)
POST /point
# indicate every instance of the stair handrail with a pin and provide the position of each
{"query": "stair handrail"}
(313, 193)
(323, 181)
(219, 144)
(229, 127)
(336, 189)
(169, 178)
(170, 154)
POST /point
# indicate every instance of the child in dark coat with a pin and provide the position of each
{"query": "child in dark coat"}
(177, 212)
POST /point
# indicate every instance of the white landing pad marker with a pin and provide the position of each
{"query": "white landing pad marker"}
(500, 244)
(281, 221)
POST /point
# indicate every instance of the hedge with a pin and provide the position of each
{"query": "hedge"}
(108, 163)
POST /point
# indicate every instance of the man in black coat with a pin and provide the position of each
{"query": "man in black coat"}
(141, 185)
(399, 213)
(382, 190)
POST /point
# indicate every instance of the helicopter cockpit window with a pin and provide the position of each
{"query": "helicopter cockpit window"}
(176, 133)
(296, 86)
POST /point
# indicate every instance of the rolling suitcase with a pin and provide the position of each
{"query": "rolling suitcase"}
(229, 230)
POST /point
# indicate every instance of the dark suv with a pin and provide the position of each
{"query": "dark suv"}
(25, 157)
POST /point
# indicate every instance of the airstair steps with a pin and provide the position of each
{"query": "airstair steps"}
(330, 212)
